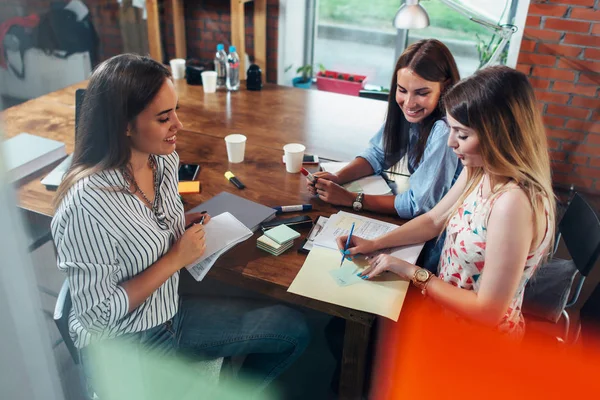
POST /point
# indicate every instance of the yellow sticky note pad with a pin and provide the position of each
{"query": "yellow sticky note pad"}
(189, 187)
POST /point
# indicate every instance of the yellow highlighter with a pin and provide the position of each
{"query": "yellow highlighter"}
(231, 178)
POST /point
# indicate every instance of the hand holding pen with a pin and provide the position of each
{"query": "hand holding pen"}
(356, 245)
(348, 239)
(192, 244)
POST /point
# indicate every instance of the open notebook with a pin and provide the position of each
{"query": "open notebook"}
(222, 233)
(373, 184)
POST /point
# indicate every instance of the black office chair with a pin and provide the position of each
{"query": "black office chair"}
(61, 319)
(373, 94)
(550, 295)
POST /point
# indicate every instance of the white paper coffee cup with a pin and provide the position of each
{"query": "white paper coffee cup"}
(236, 146)
(294, 154)
(209, 81)
(178, 68)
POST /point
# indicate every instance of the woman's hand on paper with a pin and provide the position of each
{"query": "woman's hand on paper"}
(357, 246)
(328, 176)
(384, 262)
(190, 246)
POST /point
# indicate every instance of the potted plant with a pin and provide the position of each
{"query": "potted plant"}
(305, 79)
(340, 82)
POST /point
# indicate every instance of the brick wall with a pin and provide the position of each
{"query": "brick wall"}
(208, 22)
(561, 55)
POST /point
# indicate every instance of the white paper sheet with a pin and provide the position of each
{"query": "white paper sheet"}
(374, 184)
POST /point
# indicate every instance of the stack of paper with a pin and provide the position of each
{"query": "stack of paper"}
(222, 233)
(322, 278)
(277, 240)
(374, 184)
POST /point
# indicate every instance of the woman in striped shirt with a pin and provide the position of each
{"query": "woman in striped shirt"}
(120, 236)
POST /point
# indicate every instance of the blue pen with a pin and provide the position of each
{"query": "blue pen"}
(347, 243)
(301, 207)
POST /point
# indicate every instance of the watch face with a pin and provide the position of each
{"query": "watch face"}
(357, 205)
(421, 275)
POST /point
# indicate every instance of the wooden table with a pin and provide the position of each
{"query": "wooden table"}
(330, 125)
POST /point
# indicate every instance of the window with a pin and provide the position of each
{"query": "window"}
(358, 37)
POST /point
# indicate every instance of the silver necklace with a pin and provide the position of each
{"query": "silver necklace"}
(130, 179)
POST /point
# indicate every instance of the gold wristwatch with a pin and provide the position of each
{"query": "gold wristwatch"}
(421, 278)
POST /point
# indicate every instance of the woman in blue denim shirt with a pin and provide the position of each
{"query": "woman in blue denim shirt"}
(415, 128)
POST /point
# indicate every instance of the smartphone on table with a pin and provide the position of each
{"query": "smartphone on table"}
(188, 172)
(308, 159)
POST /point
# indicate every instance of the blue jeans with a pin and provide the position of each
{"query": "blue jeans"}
(272, 336)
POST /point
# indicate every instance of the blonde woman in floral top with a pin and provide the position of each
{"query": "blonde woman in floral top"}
(498, 217)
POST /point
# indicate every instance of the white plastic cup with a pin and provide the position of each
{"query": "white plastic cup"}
(236, 146)
(294, 154)
(209, 81)
(178, 68)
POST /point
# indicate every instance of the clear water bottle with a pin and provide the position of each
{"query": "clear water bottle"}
(221, 66)
(233, 70)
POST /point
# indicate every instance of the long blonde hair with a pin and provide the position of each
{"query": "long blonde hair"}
(499, 104)
(119, 90)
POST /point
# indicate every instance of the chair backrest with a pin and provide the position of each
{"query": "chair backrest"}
(375, 95)
(61, 319)
(580, 230)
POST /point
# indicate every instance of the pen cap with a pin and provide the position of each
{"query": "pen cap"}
(229, 175)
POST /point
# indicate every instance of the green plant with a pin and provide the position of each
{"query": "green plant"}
(306, 71)
(485, 50)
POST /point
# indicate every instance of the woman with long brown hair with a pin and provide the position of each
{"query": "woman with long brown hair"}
(498, 217)
(414, 127)
(121, 237)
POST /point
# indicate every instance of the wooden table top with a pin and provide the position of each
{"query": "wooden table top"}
(270, 118)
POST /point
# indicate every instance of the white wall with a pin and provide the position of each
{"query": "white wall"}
(292, 34)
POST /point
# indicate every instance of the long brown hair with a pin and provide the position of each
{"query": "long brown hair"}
(432, 61)
(499, 104)
(119, 90)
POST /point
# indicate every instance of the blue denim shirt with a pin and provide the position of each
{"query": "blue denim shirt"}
(429, 181)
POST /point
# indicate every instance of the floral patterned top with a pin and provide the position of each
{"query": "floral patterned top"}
(463, 257)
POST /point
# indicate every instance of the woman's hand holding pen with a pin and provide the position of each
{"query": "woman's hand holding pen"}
(323, 176)
(192, 244)
(328, 189)
(357, 245)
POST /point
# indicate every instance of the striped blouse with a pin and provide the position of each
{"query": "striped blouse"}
(104, 237)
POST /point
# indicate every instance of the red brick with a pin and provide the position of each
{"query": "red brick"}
(570, 179)
(578, 160)
(591, 79)
(579, 65)
(595, 128)
(526, 69)
(552, 73)
(595, 162)
(528, 45)
(542, 35)
(561, 167)
(533, 21)
(589, 3)
(568, 25)
(586, 102)
(560, 50)
(568, 87)
(596, 29)
(550, 97)
(580, 125)
(573, 136)
(587, 149)
(556, 122)
(588, 14)
(539, 83)
(583, 40)
(553, 144)
(593, 139)
(567, 111)
(588, 172)
(537, 59)
(592, 54)
(557, 156)
(547, 10)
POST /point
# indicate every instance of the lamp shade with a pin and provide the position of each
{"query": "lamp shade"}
(411, 15)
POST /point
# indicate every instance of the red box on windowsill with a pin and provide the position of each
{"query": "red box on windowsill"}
(339, 82)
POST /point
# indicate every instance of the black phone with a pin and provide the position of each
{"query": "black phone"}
(302, 221)
(188, 172)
